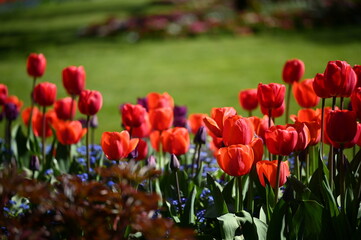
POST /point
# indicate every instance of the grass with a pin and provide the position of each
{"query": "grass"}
(202, 72)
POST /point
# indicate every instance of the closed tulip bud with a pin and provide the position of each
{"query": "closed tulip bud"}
(201, 136)
(293, 71)
(69, 132)
(74, 79)
(90, 102)
(94, 121)
(304, 94)
(45, 94)
(268, 169)
(143, 102)
(344, 118)
(3, 93)
(161, 118)
(281, 140)
(175, 141)
(235, 160)
(357, 70)
(159, 100)
(271, 95)
(174, 163)
(133, 115)
(36, 64)
(11, 111)
(151, 161)
(248, 99)
(117, 145)
(34, 164)
(64, 109)
(237, 130)
(216, 121)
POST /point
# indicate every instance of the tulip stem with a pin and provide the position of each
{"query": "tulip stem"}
(239, 196)
(269, 126)
(250, 191)
(333, 103)
(342, 178)
(249, 113)
(331, 165)
(8, 140)
(199, 156)
(288, 101)
(322, 126)
(43, 137)
(178, 192)
(71, 106)
(31, 108)
(297, 167)
(87, 143)
(280, 158)
(307, 164)
(341, 103)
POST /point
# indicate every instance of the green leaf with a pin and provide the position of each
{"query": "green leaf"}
(276, 227)
(216, 191)
(188, 216)
(172, 212)
(252, 228)
(229, 223)
(198, 178)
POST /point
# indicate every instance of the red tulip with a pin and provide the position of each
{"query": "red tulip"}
(69, 132)
(320, 86)
(281, 140)
(357, 70)
(90, 102)
(63, 108)
(216, 121)
(25, 115)
(235, 160)
(260, 125)
(237, 130)
(158, 100)
(275, 112)
(195, 121)
(248, 99)
(307, 115)
(356, 102)
(45, 94)
(74, 79)
(117, 145)
(3, 93)
(37, 122)
(304, 135)
(293, 71)
(304, 94)
(257, 146)
(155, 140)
(338, 119)
(142, 149)
(161, 118)
(268, 169)
(271, 95)
(133, 115)
(175, 141)
(143, 130)
(351, 143)
(36, 64)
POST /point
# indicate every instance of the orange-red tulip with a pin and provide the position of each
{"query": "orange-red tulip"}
(159, 100)
(143, 130)
(3, 93)
(341, 118)
(64, 109)
(237, 130)
(175, 141)
(133, 115)
(45, 94)
(257, 146)
(155, 140)
(235, 160)
(268, 169)
(293, 71)
(142, 149)
(36, 64)
(248, 99)
(25, 115)
(307, 115)
(260, 125)
(161, 118)
(74, 79)
(90, 102)
(271, 95)
(216, 121)
(50, 119)
(304, 135)
(195, 121)
(304, 94)
(281, 140)
(117, 145)
(69, 132)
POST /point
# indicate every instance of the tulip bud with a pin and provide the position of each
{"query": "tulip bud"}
(248, 99)
(74, 79)
(94, 121)
(36, 64)
(45, 94)
(65, 108)
(174, 163)
(293, 71)
(201, 136)
(34, 163)
(151, 161)
(11, 111)
(90, 102)
(180, 116)
(3, 93)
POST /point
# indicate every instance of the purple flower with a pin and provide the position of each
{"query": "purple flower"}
(11, 111)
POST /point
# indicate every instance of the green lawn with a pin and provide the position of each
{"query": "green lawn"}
(201, 72)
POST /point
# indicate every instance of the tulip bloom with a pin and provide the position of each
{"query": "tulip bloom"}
(275, 112)
(320, 86)
(248, 99)
(268, 169)
(158, 100)
(307, 115)
(216, 121)
(142, 149)
(304, 94)
(235, 160)
(161, 118)
(195, 121)
(155, 140)
(356, 102)
(357, 70)
(117, 145)
(64, 109)
(293, 71)
(338, 119)
(180, 116)
(281, 140)
(25, 115)
(271, 95)
(3, 93)
(143, 130)
(175, 141)
(74, 79)
(90, 102)
(257, 146)
(260, 125)
(69, 132)
(133, 115)
(36, 64)
(304, 135)
(237, 130)
(45, 94)
(37, 123)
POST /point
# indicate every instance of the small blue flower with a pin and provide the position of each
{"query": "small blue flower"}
(24, 206)
(49, 171)
(92, 160)
(83, 177)
(6, 209)
(12, 202)
(110, 183)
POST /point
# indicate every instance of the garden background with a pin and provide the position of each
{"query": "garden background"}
(201, 71)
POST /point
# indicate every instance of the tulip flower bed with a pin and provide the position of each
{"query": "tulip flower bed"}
(170, 175)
